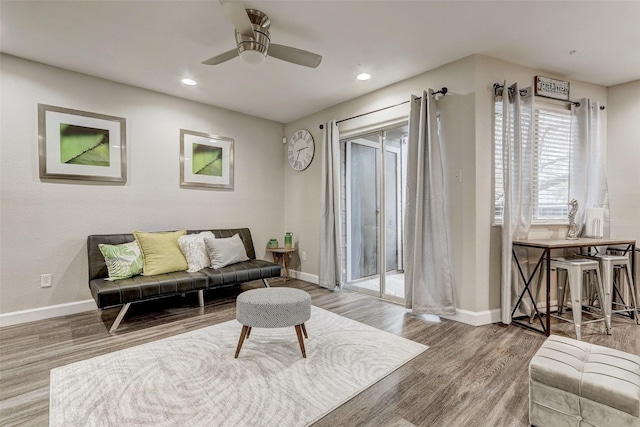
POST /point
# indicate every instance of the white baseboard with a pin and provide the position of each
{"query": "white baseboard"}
(312, 278)
(487, 317)
(472, 318)
(475, 318)
(42, 313)
(463, 316)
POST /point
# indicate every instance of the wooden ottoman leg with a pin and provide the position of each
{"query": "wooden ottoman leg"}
(304, 329)
(248, 332)
(301, 340)
(245, 328)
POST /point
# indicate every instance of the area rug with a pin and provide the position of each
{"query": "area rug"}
(193, 379)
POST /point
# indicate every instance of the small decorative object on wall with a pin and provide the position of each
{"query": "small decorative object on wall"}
(300, 150)
(552, 88)
(205, 160)
(80, 145)
(573, 229)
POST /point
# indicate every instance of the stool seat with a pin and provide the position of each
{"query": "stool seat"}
(273, 308)
(572, 383)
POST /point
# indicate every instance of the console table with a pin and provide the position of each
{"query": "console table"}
(547, 245)
(281, 256)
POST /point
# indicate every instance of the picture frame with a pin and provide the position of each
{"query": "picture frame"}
(80, 145)
(206, 160)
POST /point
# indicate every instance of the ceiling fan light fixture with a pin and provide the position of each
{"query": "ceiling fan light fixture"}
(253, 50)
(252, 57)
(253, 42)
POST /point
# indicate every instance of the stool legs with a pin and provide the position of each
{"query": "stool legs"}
(562, 283)
(575, 287)
(243, 334)
(627, 277)
(300, 339)
(612, 268)
(602, 293)
(607, 279)
(246, 331)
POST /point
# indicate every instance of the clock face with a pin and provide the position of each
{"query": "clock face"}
(300, 150)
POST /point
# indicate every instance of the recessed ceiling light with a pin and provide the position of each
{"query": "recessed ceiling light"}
(189, 82)
(363, 76)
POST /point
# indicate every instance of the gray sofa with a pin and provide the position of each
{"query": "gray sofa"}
(144, 288)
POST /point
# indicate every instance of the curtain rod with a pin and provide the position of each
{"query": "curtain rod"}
(523, 92)
(443, 91)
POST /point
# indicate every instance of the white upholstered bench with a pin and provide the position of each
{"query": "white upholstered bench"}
(572, 383)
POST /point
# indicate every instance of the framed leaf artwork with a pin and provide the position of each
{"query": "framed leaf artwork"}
(205, 160)
(79, 145)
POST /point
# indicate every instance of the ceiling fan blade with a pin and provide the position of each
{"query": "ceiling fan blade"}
(296, 56)
(219, 59)
(238, 16)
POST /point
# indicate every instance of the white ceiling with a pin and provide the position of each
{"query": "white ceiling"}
(153, 44)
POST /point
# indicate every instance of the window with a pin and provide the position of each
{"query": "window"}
(551, 163)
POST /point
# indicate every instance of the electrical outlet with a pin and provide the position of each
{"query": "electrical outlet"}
(45, 280)
(304, 255)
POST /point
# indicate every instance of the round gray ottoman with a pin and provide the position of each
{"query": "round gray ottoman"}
(273, 308)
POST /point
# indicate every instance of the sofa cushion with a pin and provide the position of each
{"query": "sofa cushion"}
(225, 251)
(246, 271)
(161, 252)
(194, 250)
(123, 260)
(139, 288)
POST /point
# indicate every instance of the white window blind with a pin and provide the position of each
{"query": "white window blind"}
(551, 163)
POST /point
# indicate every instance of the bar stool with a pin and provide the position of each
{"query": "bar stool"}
(575, 268)
(612, 267)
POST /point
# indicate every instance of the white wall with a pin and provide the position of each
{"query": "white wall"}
(302, 189)
(44, 225)
(623, 137)
(467, 131)
(488, 72)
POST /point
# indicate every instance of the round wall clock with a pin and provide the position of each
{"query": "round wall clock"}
(300, 150)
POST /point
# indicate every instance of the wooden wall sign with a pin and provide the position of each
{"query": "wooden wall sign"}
(552, 88)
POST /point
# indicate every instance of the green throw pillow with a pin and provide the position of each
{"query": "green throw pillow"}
(123, 261)
(161, 252)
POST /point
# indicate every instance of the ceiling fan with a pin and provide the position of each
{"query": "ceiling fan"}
(253, 42)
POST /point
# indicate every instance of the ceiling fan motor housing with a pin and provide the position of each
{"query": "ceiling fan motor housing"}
(260, 41)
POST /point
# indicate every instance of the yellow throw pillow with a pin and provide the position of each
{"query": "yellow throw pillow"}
(161, 252)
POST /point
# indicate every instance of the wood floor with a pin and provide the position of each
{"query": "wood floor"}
(470, 376)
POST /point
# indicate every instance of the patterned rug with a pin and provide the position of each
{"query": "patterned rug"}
(192, 379)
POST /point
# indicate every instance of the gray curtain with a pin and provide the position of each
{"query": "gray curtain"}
(588, 181)
(428, 277)
(517, 163)
(330, 228)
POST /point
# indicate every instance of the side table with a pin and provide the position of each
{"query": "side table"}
(281, 256)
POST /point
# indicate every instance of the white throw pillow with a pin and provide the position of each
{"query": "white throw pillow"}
(195, 251)
(226, 251)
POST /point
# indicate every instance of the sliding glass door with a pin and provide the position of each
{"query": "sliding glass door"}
(374, 210)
